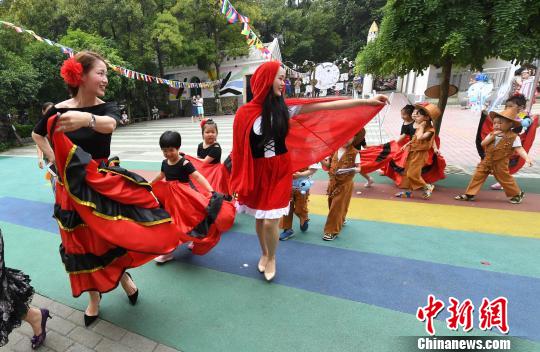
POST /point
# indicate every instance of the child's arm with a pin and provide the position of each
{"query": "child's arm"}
(406, 145)
(326, 162)
(435, 148)
(522, 153)
(305, 173)
(159, 177)
(401, 138)
(489, 138)
(40, 157)
(423, 135)
(200, 179)
(207, 160)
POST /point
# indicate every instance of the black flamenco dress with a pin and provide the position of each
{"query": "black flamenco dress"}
(15, 297)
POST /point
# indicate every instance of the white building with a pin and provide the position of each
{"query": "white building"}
(235, 73)
(413, 85)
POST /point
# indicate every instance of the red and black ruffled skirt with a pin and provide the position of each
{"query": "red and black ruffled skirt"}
(108, 217)
(200, 217)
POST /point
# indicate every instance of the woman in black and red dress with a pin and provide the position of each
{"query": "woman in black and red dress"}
(108, 218)
(272, 138)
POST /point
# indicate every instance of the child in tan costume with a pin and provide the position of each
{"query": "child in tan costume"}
(419, 146)
(499, 145)
(343, 165)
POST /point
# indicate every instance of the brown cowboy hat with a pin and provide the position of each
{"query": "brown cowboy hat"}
(435, 91)
(431, 110)
(509, 114)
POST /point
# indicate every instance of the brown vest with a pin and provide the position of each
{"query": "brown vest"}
(424, 144)
(503, 150)
(346, 161)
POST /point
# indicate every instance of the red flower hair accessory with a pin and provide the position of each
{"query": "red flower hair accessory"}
(71, 72)
(203, 122)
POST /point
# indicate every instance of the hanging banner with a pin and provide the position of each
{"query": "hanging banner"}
(118, 69)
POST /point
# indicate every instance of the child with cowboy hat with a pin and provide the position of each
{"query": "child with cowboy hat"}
(419, 146)
(499, 146)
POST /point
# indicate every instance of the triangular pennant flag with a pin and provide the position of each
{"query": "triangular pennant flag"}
(246, 30)
(243, 19)
(224, 6)
(232, 15)
(18, 29)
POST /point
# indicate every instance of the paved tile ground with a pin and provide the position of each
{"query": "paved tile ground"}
(66, 333)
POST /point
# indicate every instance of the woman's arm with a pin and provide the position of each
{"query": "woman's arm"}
(74, 120)
(342, 104)
(159, 177)
(43, 144)
(202, 181)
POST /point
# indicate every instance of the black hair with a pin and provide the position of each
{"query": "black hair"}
(46, 106)
(518, 99)
(518, 71)
(409, 109)
(209, 122)
(275, 118)
(170, 139)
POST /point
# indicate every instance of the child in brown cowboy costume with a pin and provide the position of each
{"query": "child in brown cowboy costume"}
(298, 206)
(419, 146)
(343, 165)
(499, 146)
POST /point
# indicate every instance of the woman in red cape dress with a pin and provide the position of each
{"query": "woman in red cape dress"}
(272, 138)
(108, 218)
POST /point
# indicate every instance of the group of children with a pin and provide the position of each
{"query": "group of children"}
(417, 139)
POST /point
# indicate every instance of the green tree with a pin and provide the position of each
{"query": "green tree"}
(210, 38)
(20, 82)
(79, 40)
(415, 34)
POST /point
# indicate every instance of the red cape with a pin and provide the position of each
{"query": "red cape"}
(311, 137)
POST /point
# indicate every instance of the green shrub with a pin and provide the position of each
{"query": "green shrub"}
(24, 130)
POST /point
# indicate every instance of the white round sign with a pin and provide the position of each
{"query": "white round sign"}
(327, 75)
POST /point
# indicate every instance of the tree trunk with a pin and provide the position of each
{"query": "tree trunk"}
(217, 88)
(443, 95)
(163, 92)
(217, 64)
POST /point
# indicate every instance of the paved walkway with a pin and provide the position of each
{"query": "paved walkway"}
(66, 332)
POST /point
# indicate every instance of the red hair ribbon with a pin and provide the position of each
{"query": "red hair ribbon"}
(71, 72)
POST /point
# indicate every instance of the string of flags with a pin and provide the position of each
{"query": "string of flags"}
(233, 16)
(116, 68)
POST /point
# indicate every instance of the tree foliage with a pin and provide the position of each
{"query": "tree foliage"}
(416, 33)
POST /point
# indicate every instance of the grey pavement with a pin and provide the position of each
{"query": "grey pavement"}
(66, 333)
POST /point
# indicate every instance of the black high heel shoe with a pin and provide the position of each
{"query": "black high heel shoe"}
(38, 340)
(133, 297)
(89, 319)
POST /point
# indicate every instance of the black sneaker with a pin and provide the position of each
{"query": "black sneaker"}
(517, 199)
